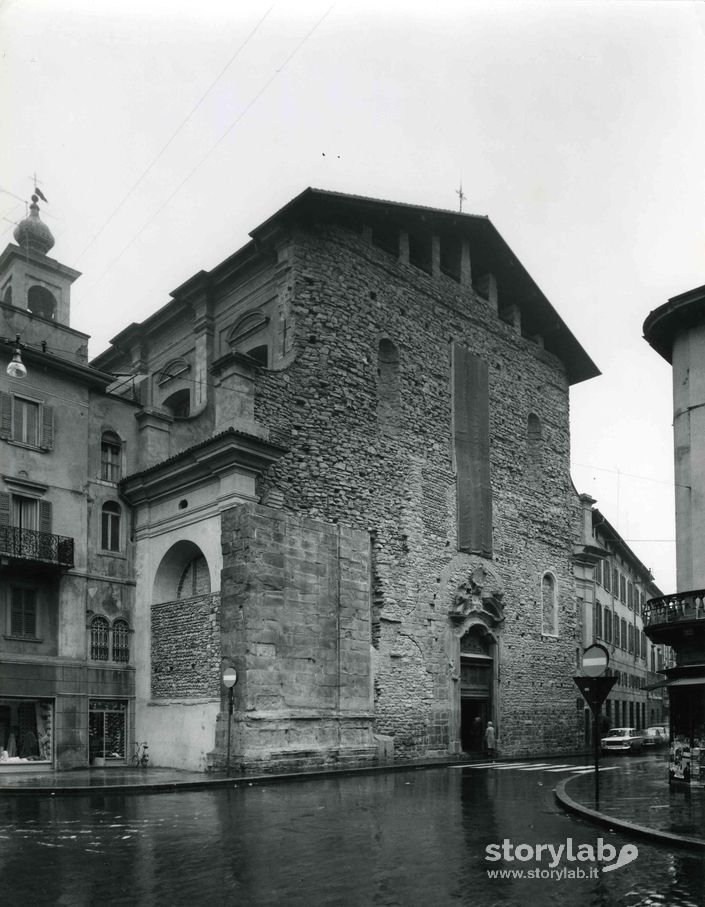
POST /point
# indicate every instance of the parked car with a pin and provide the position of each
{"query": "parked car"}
(656, 736)
(622, 740)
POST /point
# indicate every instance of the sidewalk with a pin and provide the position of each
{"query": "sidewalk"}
(123, 779)
(635, 797)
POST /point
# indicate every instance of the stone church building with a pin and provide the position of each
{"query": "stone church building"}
(353, 487)
(339, 463)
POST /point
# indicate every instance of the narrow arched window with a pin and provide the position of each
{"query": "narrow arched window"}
(534, 445)
(100, 633)
(110, 526)
(388, 386)
(110, 456)
(121, 641)
(549, 605)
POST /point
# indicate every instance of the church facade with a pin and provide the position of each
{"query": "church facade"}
(358, 434)
(344, 472)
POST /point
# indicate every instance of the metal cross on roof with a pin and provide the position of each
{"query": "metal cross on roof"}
(461, 196)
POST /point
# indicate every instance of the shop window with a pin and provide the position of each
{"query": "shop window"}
(23, 612)
(26, 731)
(110, 526)
(121, 641)
(110, 457)
(107, 727)
(26, 421)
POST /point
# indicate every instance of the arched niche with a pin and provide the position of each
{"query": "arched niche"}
(172, 575)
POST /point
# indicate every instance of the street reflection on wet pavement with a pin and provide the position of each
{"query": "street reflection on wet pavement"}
(393, 838)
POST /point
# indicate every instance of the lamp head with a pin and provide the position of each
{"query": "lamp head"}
(16, 367)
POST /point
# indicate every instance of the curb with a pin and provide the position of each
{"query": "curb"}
(643, 831)
(171, 786)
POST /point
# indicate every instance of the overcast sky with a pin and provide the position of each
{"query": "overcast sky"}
(163, 132)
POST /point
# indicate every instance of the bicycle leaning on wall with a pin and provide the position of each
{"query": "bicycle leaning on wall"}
(140, 757)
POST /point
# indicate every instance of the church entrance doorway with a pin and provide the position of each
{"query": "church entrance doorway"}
(476, 684)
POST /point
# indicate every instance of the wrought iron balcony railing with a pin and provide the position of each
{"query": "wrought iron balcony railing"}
(678, 608)
(40, 547)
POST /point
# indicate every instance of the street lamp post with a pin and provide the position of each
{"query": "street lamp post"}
(229, 681)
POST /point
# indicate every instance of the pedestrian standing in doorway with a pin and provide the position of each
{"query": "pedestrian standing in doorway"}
(491, 741)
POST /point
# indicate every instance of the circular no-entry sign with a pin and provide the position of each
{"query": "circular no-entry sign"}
(595, 660)
(229, 677)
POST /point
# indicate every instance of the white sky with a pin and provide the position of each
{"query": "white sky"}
(162, 132)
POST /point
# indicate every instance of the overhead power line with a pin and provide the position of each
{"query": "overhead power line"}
(630, 475)
(176, 132)
(210, 151)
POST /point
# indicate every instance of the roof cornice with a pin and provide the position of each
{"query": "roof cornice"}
(222, 454)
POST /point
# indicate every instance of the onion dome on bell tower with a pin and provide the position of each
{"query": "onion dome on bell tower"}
(32, 234)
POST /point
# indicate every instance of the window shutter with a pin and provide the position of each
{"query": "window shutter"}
(4, 508)
(47, 428)
(45, 516)
(5, 416)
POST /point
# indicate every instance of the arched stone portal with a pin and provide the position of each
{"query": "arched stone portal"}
(477, 612)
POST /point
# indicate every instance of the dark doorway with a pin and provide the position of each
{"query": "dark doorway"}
(476, 683)
(473, 721)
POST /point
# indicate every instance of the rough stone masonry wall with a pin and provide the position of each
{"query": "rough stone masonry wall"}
(296, 625)
(186, 648)
(345, 464)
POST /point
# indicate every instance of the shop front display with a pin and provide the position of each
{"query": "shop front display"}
(107, 723)
(26, 732)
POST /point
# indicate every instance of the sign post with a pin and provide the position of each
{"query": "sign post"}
(595, 689)
(229, 681)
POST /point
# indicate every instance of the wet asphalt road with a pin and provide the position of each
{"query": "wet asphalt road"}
(398, 838)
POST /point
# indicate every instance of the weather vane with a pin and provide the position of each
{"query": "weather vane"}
(37, 191)
(461, 196)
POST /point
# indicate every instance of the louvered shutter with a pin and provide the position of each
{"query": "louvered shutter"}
(5, 416)
(47, 428)
(4, 508)
(45, 516)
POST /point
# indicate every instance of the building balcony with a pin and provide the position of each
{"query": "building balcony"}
(676, 620)
(39, 548)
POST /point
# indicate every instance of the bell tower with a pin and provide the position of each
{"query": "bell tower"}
(29, 279)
